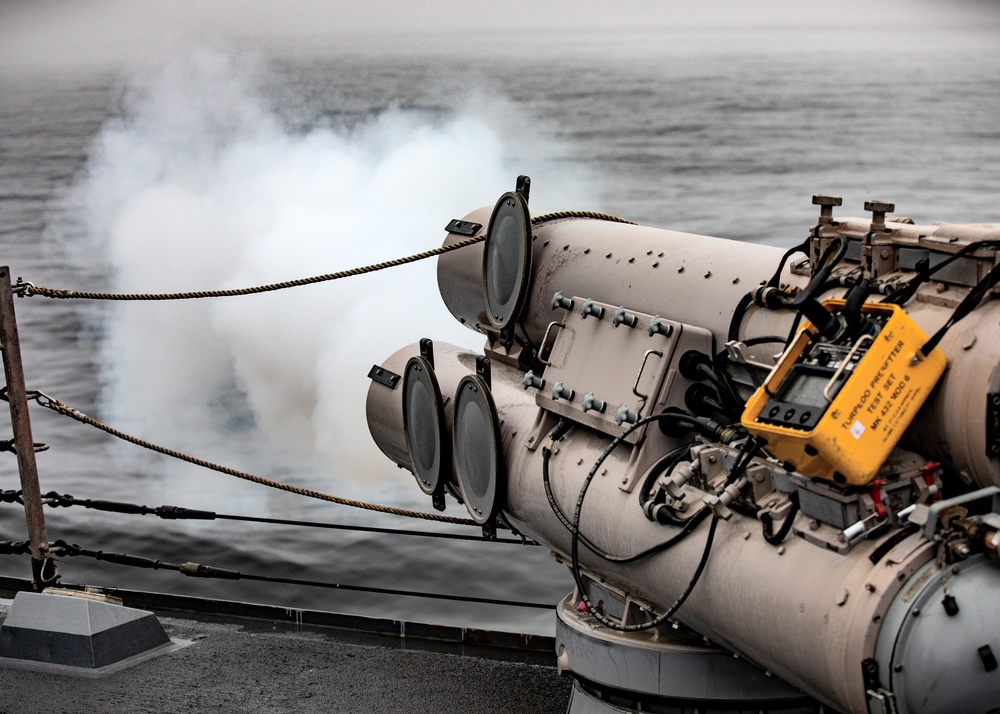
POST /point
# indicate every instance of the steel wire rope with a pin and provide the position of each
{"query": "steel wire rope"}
(66, 410)
(53, 499)
(62, 548)
(28, 289)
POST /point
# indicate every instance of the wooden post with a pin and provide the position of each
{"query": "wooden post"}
(23, 443)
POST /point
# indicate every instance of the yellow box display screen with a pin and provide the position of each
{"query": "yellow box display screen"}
(835, 408)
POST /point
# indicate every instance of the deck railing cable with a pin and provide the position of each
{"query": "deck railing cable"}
(176, 513)
(27, 289)
(60, 408)
(63, 549)
(17, 396)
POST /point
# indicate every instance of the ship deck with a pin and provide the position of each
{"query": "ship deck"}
(253, 658)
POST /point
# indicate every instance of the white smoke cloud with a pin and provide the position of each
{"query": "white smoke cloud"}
(200, 185)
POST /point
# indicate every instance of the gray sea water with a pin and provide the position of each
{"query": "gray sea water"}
(222, 169)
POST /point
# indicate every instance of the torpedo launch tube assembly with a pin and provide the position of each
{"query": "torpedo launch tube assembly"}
(773, 474)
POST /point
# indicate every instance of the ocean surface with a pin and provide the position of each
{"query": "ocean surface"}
(232, 168)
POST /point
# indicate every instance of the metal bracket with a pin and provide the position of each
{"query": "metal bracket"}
(383, 376)
(507, 336)
(483, 370)
(463, 228)
(523, 187)
(490, 530)
(927, 516)
(427, 350)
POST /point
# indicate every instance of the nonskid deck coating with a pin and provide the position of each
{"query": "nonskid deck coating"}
(253, 667)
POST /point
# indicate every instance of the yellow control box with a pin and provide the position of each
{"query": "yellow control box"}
(835, 409)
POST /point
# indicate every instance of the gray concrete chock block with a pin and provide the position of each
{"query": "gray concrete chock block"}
(77, 635)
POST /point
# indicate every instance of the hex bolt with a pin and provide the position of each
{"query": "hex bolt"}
(559, 391)
(658, 327)
(624, 318)
(532, 380)
(592, 402)
(589, 308)
(561, 301)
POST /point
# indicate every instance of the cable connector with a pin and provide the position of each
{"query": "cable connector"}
(719, 503)
(197, 570)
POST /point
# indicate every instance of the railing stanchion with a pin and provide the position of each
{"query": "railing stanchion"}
(42, 566)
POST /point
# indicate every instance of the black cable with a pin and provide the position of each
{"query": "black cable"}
(736, 322)
(748, 450)
(405, 593)
(665, 465)
(924, 273)
(56, 500)
(825, 287)
(670, 611)
(969, 303)
(373, 529)
(575, 533)
(723, 363)
(853, 301)
(595, 549)
(802, 247)
(557, 434)
(10, 547)
(806, 302)
(708, 370)
(689, 525)
(774, 282)
(703, 400)
(767, 522)
(794, 329)
(700, 367)
(62, 548)
(763, 340)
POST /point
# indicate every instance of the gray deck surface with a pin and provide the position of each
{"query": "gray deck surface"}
(256, 667)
